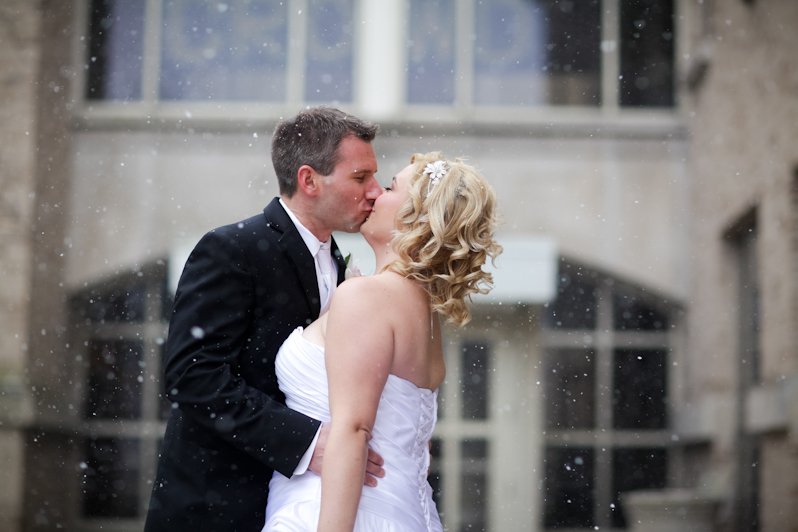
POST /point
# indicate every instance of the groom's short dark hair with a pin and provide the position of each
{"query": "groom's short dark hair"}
(312, 138)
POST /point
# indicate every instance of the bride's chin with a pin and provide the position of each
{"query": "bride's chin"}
(372, 238)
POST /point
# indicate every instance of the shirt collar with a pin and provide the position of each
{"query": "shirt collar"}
(313, 244)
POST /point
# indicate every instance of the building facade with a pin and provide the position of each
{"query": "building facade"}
(632, 252)
(742, 103)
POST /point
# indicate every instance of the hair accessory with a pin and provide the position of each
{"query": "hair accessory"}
(436, 171)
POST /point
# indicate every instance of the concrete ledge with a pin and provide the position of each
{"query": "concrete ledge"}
(773, 407)
(673, 510)
(16, 407)
(791, 400)
(704, 419)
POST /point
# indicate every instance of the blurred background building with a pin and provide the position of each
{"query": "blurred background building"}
(642, 334)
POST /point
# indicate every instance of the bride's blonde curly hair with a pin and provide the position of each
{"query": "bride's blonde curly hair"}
(444, 237)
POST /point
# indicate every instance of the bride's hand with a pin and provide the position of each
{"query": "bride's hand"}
(374, 468)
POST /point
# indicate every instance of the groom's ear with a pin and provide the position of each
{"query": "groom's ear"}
(308, 180)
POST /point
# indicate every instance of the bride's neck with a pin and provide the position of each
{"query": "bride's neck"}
(384, 255)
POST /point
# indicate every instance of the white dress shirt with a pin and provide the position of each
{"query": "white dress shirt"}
(326, 275)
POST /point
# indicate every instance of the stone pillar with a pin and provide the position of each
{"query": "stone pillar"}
(51, 480)
(20, 49)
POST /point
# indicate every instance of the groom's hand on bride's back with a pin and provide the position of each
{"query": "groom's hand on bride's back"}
(374, 468)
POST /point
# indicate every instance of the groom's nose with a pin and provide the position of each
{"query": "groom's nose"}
(373, 190)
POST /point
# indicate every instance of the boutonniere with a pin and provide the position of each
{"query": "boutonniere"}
(352, 269)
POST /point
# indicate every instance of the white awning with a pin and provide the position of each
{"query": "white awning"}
(526, 272)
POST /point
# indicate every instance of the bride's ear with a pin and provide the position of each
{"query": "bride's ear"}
(308, 180)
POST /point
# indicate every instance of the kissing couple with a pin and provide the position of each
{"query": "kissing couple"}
(299, 404)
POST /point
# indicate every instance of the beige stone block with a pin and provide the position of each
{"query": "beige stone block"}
(778, 493)
(11, 471)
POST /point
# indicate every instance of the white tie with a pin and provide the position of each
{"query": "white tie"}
(327, 286)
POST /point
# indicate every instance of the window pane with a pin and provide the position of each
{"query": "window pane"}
(748, 497)
(640, 379)
(164, 404)
(573, 52)
(632, 314)
(441, 398)
(115, 50)
(575, 306)
(167, 301)
(125, 304)
(224, 51)
(115, 379)
(475, 380)
(509, 53)
(636, 469)
(570, 377)
(436, 473)
(748, 301)
(430, 74)
(328, 74)
(647, 53)
(111, 476)
(569, 487)
(474, 495)
(537, 52)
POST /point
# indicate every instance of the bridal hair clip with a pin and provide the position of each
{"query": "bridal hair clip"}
(436, 171)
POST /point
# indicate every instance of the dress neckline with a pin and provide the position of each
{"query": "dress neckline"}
(320, 348)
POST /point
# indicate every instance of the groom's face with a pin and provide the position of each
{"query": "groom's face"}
(348, 193)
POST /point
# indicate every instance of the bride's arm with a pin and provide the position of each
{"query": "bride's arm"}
(359, 353)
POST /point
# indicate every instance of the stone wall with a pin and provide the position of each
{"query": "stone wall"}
(20, 49)
(744, 133)
(49, 453)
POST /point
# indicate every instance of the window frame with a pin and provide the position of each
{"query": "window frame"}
(452, 429)
(150, 112)
(604, 340)
(512, 426)
(743, 240)
(149, 428)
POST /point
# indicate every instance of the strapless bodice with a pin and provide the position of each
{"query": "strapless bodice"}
(402, 429)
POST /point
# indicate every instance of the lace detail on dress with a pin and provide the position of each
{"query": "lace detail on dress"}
(426, 424)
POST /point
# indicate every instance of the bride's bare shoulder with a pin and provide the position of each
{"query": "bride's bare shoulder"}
(376, 290)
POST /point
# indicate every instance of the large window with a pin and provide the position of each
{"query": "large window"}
(606, 386)
(744, 239)
(461, 450)
(460, 54)
(521, 52)
(223, 51)
(120, 328)
(233, 50)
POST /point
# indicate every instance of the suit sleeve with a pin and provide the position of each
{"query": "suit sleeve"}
(213, 313)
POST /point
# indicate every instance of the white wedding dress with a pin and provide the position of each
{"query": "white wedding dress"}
(402, 500)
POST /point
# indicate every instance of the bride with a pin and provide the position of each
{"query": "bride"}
(373, 364)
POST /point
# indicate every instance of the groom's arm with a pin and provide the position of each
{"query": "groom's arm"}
(213, 311)
(314, 458)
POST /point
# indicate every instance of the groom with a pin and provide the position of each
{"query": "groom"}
(244, 288)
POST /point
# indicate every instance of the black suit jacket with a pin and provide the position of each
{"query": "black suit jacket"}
(245, 287)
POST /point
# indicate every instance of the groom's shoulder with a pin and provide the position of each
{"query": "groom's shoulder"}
(252, 229)
(272, 220)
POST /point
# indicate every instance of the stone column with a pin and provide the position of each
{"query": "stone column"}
(51, 478)
(20, 49)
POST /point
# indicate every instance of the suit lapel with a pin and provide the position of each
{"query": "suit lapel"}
(294, 247)
(339, 261)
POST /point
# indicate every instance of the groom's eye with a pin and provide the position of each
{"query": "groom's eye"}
(387, 189)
